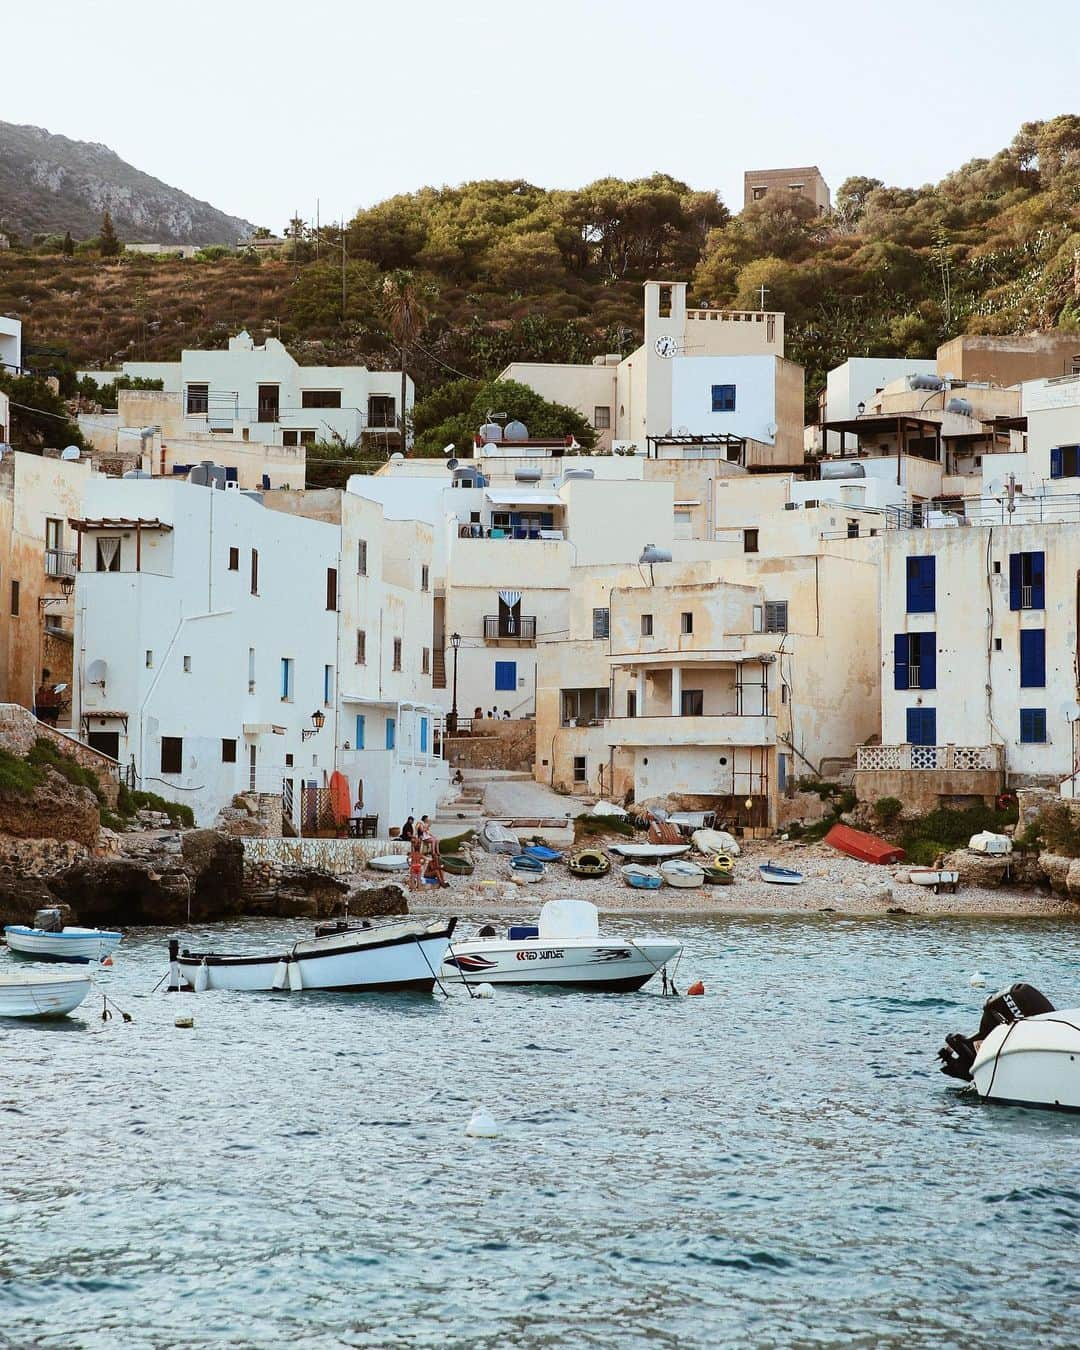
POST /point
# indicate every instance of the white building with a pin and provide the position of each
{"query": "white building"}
(852, 386)
(10, 345)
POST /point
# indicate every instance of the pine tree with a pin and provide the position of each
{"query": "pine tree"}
(109, 244)
(68, 245)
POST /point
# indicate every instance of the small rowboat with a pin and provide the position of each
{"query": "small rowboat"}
(780, 876)
(718, 876)
(49, 940)
(682, 872)
(642, 878)
(524, 868)
(941, 878)
(456, 864)
(40, 993)
(542, 852)
(640, 852)
(588, 862)
(390, 862)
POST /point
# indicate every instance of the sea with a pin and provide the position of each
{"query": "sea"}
(777, 1162)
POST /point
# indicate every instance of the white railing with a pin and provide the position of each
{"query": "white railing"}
(965, 758)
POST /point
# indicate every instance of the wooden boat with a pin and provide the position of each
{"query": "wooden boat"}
(643, 852)
(682, 872)
(589, 862)
(642, 878)
(524, 868)
(941, 878)
(718, 876)
(39, 993)
(456, 864)
(866, 847)
(780, 876)
(49, 940)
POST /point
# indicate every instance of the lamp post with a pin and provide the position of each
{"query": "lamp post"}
(318, 721)
(451, 721)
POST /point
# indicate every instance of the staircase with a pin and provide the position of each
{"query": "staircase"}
(462, 808)
(438, 668)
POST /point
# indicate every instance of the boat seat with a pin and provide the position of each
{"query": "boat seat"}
(520, 931)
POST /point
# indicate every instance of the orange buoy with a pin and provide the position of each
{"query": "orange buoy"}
(696, 988)
(107, 961)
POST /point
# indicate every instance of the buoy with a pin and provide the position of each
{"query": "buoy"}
(484, 991)
(281, 975)
(107, 961)
(202, 978)
(482, 1125)
(185, 1022)
(696, 988)
(978, 980)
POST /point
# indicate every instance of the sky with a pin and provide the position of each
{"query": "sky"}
(266, 109)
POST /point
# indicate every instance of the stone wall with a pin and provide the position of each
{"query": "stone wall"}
(923, 790)
(19, 729)
(494, 744)
(252, 815)
(339, 857)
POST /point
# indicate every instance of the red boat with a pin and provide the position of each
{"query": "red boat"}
(866, 847)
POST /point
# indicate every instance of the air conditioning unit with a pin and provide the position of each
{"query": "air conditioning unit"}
(791, 506)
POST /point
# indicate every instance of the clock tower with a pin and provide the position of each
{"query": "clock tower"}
(665, 341)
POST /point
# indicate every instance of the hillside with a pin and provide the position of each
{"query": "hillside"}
(50, 184)
(505, 270)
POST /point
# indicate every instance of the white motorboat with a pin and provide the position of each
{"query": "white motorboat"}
(1025, 1052)
(563, 948)
(405, 954)
(40, 993)
(986, 841)
(682, 872)
(48, 940)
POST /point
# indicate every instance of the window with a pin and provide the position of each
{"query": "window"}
(397, 653)
(287, 683)
(921, 590)
(149, 659)
(298, 437)
(234, 560)
(425, 660)
(749, 541)
(423, 735)
(1065, 461)
(914, 660)
(172, 754)
(288, 759)
(15, 598)
(774, 618)
(361, 647)
(1032, 658)
(107, 553)
(693, 702)
(580, 774)
(783, 693)
(254, 571)
(425, 576)
(228, 752)
(1027, 580)
(646, 625)
(1032, 726)
(359, 739)
(687, 623)
(331, 588)
(584, 707)
(320, 398)
(601, 619)
(327, 685)
(361, 557)
(54, 543)
(601, 418)
(198, 400)
(251, 670)
(782, 772)
(505, 676)
(852, 528)
(187, 665)
(997, 644)
(631, 703)
(758, 193)
(382, 411)
(723, 398)
(922, 726)
(391, 733)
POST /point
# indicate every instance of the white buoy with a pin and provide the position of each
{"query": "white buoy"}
(482, 1125)
(978, 980)
(296, 983)
(484, 990)
(185, 1022)
(281, 975)
(202, 977)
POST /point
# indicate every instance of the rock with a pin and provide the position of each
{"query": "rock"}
(368, 902)
(979, 869)
(904, 878)
(56, 809)
(897, 909)
(1055, 868)
(121, 891)
(284, 890)
(216, 862)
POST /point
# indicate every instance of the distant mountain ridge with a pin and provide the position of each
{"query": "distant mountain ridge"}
(50, 184)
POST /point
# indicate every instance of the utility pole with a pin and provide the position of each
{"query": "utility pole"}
(342, 269)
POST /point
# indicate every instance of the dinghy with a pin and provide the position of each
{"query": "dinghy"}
(49, 940)
(642, 878)
(1025, 1053)
(780, 876)
(390, 862)
(496, 838)
(588, 862)
(720, 872)
(404, 954)
(941, 878)
(682, 872)
(39, 993)
(525, 868)
(563, 948)
(456, 864)
(542, 852)
(649, 852)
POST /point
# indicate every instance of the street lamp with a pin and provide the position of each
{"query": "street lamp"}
(318, 721)
(451, 721)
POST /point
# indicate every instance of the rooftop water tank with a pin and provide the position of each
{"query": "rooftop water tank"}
(651, 554)
(515, 431)
(961, 406)
(135, 473)
(578, 473)
(844, 468)
(491, 431)
(528, 474)
(925, 382)
(207, 474)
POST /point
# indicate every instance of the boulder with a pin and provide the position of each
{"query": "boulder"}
(216, 863)
(289, 891)
(1062, 873)
(369, 902)
(980, 869)
(56, 809)
(127, 891)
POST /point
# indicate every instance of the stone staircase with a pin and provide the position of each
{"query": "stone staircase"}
(462, 808)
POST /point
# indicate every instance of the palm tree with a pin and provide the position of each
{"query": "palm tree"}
(406, 318)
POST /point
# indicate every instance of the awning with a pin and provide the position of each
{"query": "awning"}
(523, 497)
(118, 523)
(687, 503)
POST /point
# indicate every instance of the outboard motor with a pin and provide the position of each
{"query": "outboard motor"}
(49, 920)
(1008, 1005)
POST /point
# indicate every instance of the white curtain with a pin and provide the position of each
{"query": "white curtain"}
(108, 550)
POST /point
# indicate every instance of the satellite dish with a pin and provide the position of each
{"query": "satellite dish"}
(70, 453)
(96, 672)
(451, 464)
(397, 457)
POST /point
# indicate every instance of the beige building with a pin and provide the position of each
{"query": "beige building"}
(806, 183)
(1010, 359)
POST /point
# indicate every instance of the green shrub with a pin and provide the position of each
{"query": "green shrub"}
(886, 809)
(17, 776)
(796, 829)
(46, 753)
(587, 826)
(945, 829)
(128, 803)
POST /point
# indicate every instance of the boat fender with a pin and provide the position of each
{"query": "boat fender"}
(296, 982)
(281, 975)
(482, 1125)
(484, 990)
(106, 961)
(696, 988)
(186, 1023)
(202, 978)
(978, 980)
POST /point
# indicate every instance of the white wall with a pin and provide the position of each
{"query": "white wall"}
(754, 378)
(10, 345)
(859, 379)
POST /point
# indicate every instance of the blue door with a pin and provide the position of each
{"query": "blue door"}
(921, 588)
(1032, 658)
(505, 675)
(391, 733)
(359, 741)
(922, 726)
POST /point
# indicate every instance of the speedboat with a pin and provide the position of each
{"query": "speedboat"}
(49, 940)
(642, 878)
(780, 876)
(563, 948)
(405, 954)
(1025, 1052)
(682, 872)
(40, 993)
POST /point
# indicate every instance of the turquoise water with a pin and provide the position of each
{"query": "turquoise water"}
(776, 1163)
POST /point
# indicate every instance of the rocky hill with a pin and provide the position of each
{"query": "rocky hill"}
(50, 184)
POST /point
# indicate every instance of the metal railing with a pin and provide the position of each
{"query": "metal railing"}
(1049, 509)
(59, 562)
(518, 630)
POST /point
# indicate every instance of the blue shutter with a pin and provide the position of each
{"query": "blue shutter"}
(505, 675)
(1033, 658)
(359, 741)
(1038, 580)
(391, 733)
(920, 585)
(900, 660)
(423, 735)
(922, 726)
(928, 661)
(781, 771)
(1015, 581)
(1032, 726)
(1056, 467)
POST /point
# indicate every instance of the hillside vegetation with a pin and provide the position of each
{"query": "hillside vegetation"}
(506, 270)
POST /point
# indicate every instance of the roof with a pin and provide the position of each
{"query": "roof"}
(523, 497)
(118, 523)
(876, 423)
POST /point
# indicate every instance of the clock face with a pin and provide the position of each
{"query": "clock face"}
(666, 346)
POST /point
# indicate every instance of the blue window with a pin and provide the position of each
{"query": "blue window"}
(328, 685)
(1065, 461)
(423, 735)
(1027, 580)
(505, 675)
(359, 740)
(391, 733)
(1032, 726)
(922, 726)
(781, 771)
(921, 598)
(914, 660)
(723, 398)
(1033, 658)
(286, 678)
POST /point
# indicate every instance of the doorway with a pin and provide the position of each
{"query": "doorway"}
(108, 742)
(268, 403)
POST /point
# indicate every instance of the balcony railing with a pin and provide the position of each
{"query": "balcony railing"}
(59, 563)
(497, 628)
(879, 758)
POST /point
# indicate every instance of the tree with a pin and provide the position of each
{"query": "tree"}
(406, 317)
(108, 241)
(455, 413)
(68, 246)
(38, 416)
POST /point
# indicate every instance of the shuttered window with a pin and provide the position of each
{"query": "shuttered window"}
(1027, 580)
(601, 619)
(922, 726)
(1033, 658)
(921, 588)
(1032, 726)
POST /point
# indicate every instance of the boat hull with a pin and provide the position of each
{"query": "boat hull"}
(1034, 1062)
(584, 963)
(780, 876)
(75, 946)
(42, 996)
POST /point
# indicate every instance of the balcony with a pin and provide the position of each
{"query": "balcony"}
(720, 729)
(905, 758)
(498, 628)
(926, 777)
(59, 563)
